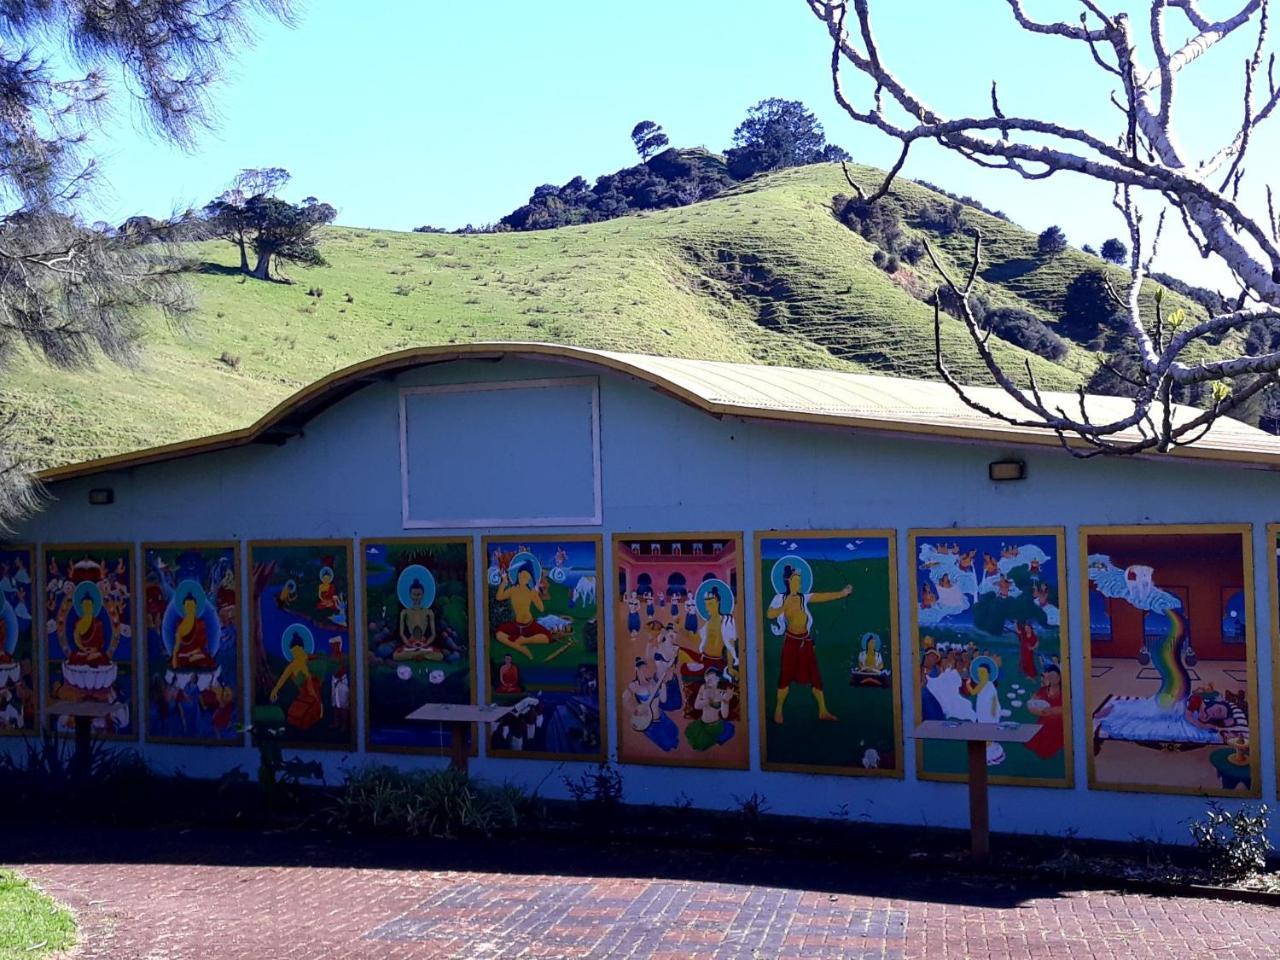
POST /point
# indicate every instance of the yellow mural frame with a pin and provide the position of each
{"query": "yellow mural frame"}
(131, 549)
(1059, 533)
(739, 540)
(898, 770)
(36, 663)
(140, 632)
(351, 743)
(1245, 532)
(361, 543)
(1273, 594)
(601, 755)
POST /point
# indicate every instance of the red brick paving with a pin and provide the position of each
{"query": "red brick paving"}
(216, 910)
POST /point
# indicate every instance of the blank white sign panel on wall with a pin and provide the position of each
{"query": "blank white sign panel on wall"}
(524, 453)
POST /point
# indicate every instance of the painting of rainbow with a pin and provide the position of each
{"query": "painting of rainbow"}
(89, 632)
(1171, 684)
(678, 646)
(191, 619)
(988, 629)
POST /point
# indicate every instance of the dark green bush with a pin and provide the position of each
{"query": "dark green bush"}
(1026, 330)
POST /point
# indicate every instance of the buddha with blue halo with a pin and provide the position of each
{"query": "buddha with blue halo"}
(89, 638)
(420, 634)
(191, 630)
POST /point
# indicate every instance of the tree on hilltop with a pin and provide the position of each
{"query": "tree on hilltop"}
(649, 138)
(226, 214)
(775, 134)
(250, 216)
(1115, 250)
(70, 290)
(286, 231)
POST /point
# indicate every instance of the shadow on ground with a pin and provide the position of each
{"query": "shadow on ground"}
(530, 857)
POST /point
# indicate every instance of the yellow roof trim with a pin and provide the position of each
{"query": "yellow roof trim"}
(662, 374)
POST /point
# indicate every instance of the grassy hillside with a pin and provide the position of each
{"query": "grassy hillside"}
(764, 273)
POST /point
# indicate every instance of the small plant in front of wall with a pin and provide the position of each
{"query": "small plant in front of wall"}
(277, 775)
(598, 790)
(752, 807)
(1234, 842)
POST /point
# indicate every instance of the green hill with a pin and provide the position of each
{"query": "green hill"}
(763, 273)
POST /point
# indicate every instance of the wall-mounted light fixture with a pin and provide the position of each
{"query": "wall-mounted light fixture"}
(101, 496)
(1000, 470)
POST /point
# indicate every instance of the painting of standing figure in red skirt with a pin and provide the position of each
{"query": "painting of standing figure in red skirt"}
(89, 632)
(301, 655)
(17, 647)
(191, 631)
(678, 646)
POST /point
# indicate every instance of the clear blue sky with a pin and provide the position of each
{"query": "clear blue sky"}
(404, 112)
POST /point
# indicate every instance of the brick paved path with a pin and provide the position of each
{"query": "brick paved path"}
(204, 898)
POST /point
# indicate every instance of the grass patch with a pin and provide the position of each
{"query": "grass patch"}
(762, 274)
(31, 924)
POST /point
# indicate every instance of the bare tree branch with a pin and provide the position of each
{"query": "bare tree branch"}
(1145, 165)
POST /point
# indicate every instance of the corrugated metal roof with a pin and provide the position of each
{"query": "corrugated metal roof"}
(898, 401)
(866, 401)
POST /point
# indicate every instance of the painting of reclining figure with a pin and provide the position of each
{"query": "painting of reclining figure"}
(542, 647)
(989, 631)
(1171, 687)
(828, 652)
(679, 649)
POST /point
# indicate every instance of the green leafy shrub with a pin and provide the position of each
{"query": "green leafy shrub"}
(1234, 843)
(435, 803)
(1026, 330)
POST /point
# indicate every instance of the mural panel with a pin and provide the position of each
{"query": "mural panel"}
(542, 645)
(191, 620)
(300, 654)
(678, 647)
(828, 649)
(1172, 690)
(17, 640)
(89, 632)
(417, 639)
(988, 629)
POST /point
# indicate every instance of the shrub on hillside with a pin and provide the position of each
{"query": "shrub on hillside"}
(1115, 250)
(966, 200)
(1211, 300)
(881, 224)
(942, 218)
(1052, 241)
(673, 178)
(1089, 309)
(1026, 330)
